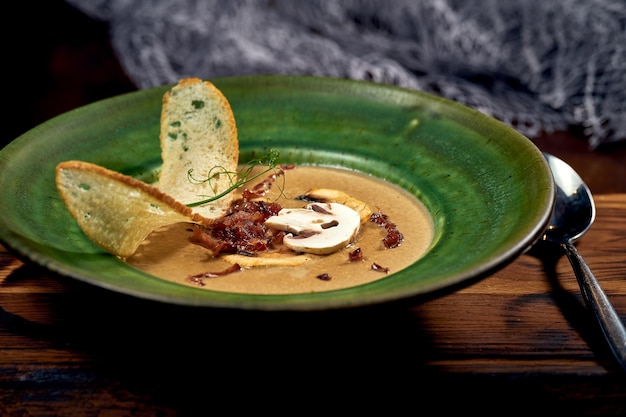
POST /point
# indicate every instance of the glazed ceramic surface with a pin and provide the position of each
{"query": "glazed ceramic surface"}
(488, 188)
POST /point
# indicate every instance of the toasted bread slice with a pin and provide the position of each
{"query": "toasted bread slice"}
(199, 146)
(116, 211)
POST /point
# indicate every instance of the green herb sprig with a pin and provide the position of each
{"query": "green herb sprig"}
(269, 159)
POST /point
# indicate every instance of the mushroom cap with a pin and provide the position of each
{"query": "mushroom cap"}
(318, 228)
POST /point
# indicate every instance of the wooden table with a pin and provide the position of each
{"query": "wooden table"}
(521, 337)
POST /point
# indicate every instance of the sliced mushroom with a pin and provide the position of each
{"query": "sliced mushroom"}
(329, 195)
(317, 228)
(268, 259)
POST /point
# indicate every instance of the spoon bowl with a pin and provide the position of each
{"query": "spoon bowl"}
(574, 213)
(575, 210)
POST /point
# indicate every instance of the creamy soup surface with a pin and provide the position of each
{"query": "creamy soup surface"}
(168, 254)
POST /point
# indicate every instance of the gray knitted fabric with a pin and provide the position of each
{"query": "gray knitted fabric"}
(537, 65)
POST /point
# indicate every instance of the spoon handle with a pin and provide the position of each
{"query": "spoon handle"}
(597, 301)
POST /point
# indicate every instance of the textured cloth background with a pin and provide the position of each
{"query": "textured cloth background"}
(538, 65)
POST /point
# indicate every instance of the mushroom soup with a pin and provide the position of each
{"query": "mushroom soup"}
(168, 253)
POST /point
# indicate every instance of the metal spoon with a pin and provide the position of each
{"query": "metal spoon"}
(574, 212)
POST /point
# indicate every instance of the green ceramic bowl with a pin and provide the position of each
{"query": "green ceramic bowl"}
(488, 188)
